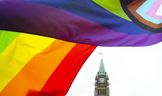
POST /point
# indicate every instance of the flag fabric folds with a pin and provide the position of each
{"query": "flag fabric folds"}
(104, 23)
(44, 43)
(34, 65)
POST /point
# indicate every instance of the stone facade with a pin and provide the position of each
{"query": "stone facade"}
(101, 82)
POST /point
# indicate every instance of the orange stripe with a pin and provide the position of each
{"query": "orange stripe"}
(35, 74)
(60, 81)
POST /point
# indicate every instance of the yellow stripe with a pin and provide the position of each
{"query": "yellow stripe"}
(18, 53)
(37, 71)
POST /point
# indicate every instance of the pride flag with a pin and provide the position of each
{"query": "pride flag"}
(44, 43)
(33, 65)
(95, 22)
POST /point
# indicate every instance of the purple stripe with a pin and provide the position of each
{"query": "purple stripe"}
(57, 23)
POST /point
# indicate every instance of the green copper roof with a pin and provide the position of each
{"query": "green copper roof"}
(101, 69)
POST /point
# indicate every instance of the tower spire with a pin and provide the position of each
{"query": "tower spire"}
(102, 68)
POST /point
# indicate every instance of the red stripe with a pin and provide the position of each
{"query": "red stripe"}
(60, 81)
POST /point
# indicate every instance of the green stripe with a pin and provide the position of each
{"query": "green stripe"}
(6, 37)
(113, 6)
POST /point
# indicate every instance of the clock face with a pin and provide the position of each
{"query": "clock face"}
(101, 80)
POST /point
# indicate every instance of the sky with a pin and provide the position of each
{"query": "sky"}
(132, 71)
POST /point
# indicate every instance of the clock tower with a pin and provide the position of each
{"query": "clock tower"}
(101, 82)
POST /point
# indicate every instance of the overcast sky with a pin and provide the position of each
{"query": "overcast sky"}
(133, 71)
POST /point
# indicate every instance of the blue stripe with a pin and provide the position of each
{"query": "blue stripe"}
(91, 11)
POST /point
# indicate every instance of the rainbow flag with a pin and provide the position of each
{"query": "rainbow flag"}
(95, 22)
(32, 65)
(44, 43)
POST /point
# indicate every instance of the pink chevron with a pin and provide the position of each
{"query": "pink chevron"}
(154, 9)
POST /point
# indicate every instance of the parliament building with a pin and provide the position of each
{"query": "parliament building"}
(101, 82)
